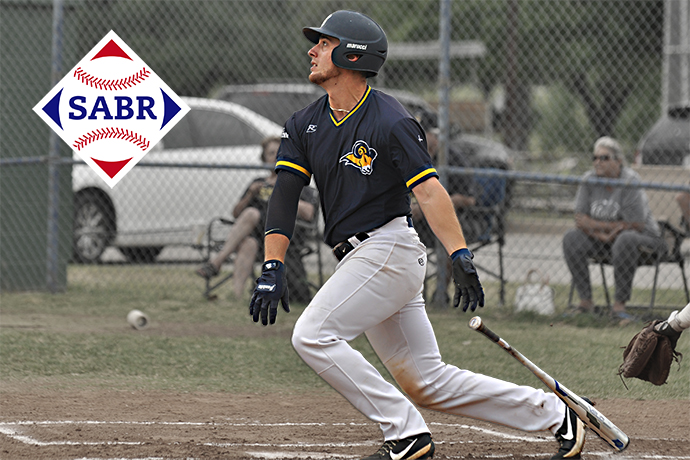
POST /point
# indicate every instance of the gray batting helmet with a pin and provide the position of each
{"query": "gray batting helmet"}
(358, 34)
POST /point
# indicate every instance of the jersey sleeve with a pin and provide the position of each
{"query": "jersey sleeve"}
(409, 153)
(291, 154)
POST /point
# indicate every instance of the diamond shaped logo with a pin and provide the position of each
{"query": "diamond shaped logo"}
(111, 108)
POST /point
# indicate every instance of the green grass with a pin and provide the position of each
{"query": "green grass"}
(80, 339)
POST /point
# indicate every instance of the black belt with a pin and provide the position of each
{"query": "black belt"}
(345, 247)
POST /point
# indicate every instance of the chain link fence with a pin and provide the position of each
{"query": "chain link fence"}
(533, 83)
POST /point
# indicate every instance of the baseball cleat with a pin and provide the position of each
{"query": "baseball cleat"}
(571, 436)
(415, 447)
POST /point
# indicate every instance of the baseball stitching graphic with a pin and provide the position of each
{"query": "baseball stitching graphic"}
(111, 133)
(111, 85)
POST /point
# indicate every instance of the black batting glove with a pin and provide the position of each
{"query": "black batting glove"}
(271, 287)
(467, 285)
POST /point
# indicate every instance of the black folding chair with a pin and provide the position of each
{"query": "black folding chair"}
(674, 239)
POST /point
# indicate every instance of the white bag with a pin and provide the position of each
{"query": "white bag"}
(535, 295)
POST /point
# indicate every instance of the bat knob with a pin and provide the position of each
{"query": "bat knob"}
(475, 323)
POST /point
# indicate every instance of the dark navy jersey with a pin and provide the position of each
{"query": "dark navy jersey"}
(364, 165)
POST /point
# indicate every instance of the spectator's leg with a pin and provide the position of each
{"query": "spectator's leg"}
(625, 255)
(683, 200)
(243, 226)
(577, 247)
(244, 264)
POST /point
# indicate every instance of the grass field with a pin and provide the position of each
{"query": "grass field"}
(80, 339)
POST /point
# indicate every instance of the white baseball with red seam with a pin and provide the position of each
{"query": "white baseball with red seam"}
(111, 108)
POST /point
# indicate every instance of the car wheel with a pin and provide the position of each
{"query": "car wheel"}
(94, 227)
(141, 255)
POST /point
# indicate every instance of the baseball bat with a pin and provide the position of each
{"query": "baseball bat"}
(594, 419)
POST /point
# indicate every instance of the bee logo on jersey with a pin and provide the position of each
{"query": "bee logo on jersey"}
(361, 157)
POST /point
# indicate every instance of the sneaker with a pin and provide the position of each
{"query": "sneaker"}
(571, 436)
(415, 447)
(207, 271)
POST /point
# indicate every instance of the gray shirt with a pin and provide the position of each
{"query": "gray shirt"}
(627, 204)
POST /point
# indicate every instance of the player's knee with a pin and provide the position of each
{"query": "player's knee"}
(303, 340)
(419, 392)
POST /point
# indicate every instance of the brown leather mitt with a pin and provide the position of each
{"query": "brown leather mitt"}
(649, 355)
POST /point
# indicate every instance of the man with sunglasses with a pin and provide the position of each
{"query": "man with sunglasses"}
(610, 221)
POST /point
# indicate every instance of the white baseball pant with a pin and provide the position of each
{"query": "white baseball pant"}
(377, 290)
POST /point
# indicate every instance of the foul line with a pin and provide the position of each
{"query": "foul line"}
(7, 429)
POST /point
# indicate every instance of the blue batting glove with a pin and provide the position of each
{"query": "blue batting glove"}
(271, 287)
(467, 285)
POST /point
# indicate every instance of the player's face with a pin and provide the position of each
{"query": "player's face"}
(322, 67)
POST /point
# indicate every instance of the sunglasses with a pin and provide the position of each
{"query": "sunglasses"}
(602, 157)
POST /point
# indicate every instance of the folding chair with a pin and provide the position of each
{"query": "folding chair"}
(483, 226)
(306, 241)
(490, 214)
(674, 239)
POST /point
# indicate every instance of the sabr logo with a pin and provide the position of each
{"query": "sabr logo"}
(111, 108)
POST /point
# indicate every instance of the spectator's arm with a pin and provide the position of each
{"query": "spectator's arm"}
(462, 201)
(251, 192)
(305, 210)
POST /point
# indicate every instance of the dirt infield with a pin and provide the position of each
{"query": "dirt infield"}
(62, 425)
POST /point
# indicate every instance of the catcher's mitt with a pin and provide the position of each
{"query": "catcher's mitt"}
(649, 356)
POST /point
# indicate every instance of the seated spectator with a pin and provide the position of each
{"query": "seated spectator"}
(612, 221)
(247, 232)
(683, 200)
(462, 191)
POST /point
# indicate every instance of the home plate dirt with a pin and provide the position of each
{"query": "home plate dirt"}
(100, 425)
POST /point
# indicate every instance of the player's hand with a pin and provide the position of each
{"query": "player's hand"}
(271, 288)
(467, 285)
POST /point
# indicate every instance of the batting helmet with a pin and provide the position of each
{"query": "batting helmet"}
(358, 34)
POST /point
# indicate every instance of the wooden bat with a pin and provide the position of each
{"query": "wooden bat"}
(594, 419)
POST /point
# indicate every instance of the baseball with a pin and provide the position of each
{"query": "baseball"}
(138, 320)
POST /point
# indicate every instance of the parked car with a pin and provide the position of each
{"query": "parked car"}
(668, 141)
(278, 101)
(275, 101)
(156, 206)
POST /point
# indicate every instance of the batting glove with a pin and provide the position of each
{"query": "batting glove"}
(467, 285)
(271, 287)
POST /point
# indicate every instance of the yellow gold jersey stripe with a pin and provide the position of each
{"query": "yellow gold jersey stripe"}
(426, 172)
(297, 167)
(338, 123)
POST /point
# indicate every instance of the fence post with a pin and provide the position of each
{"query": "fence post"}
(439, 298)
(53, 239)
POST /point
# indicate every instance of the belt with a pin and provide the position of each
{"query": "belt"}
(345, 247)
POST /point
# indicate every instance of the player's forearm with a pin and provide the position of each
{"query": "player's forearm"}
(439, 212)
(275, 247)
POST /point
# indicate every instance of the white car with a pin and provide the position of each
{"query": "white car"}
(157, 206)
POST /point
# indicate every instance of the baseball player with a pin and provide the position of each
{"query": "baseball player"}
(366, 153)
